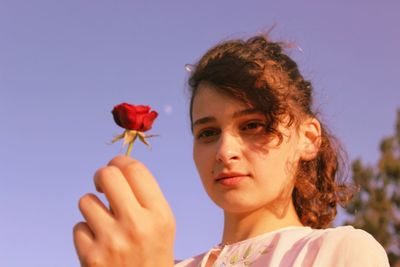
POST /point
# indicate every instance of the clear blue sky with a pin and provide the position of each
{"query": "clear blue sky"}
(65, 64)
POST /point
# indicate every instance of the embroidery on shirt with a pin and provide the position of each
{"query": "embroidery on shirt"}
(248, 257)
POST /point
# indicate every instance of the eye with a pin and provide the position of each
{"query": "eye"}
(207, 135)
(253, 127)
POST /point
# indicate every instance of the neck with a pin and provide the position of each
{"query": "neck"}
(241, 226)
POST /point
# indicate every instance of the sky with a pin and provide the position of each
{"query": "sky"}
(65, 64)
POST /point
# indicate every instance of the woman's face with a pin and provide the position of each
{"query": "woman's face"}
(241, 167)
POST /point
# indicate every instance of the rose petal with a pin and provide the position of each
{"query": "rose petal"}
(148, 120)
(115, 113)
(133, 117)
(142, 109)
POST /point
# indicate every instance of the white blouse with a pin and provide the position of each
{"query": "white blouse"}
(299, 247)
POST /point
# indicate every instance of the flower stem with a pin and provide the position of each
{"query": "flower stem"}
(128, 152)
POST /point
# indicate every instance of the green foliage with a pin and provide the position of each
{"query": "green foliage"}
(376, 208)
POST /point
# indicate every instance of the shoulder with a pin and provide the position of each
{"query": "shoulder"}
(348, 237)
(352, 245)
(190, 262)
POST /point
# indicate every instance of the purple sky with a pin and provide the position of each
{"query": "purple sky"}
(65, 64)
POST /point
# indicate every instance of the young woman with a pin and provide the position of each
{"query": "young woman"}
(263, 157)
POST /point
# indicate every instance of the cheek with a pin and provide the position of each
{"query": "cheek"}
(204, 164)
(273, 169)
(201, 157)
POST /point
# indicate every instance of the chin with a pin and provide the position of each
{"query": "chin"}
(237, 204)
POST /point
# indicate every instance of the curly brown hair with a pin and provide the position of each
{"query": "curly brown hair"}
(258, 72)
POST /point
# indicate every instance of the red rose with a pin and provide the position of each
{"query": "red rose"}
(131, 117)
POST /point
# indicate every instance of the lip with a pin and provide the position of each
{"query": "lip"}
(229, 175)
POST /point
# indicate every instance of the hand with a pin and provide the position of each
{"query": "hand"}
(139, 227)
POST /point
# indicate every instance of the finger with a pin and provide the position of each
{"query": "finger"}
(83, 239)
(142, 182)
(112, 182)
(96, 214)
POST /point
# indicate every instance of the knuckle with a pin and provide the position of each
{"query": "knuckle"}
(118, 245)
(85, 200)
(168, 224)
(135, 166)
(130, 220)
(79, 227)
(93, 259)
(139, 233)
(104, 173)
(117, 159)
(166, 215)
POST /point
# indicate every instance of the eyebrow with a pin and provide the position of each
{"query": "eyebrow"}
(237, 114)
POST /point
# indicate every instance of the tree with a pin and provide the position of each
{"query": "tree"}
(376, 207)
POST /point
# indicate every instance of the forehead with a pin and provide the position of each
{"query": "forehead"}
(210, 100)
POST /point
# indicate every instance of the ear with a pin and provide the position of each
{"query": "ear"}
(310, 138)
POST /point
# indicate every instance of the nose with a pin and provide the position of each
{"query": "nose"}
(228, 148)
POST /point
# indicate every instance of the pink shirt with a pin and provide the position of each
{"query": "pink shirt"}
(299, 247)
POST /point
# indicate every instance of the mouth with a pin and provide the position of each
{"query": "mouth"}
(230, 178)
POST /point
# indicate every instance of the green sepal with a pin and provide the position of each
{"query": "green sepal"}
(142, 138)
